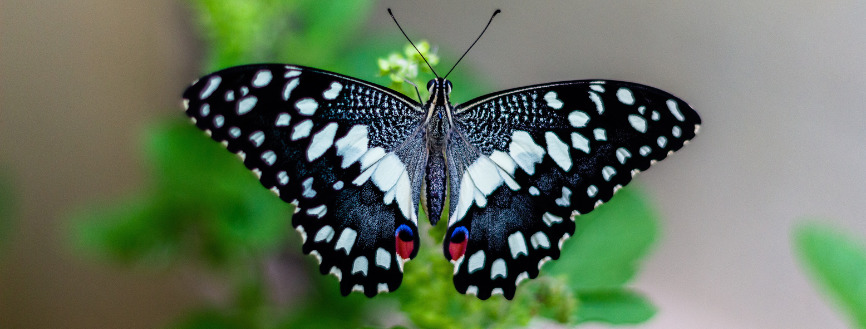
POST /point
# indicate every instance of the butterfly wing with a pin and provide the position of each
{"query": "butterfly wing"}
(344, 151)
(524, 162)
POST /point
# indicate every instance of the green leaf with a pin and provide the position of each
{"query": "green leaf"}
(608, 244)
(837, 261)
(618, 306)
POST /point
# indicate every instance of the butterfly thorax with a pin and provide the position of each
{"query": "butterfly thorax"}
(438, 125)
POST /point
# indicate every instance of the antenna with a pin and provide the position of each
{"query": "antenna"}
(413, 44)
(473, 43)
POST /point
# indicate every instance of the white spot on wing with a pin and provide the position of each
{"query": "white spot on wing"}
(485, 175)
(246, 104)
(283, 178)
(676, 131)
(662, 141)
(534, 191)
(498, 269)
(525, 152)
(346, 240)
(476, 261)
(504, 161)
(386, 174)
(308, 191)
(517, 244)
(600, 134)
(204, 110)
(336, 272)
(565, 199)
(235, 132)
(599, 105)
(269, 157)
(302, 130)
(338, 185)
(552, 100)
(361, 265)
(539, 240)
(210, 86)
(579, 142)
(321, 141)
(307, 106)
(645, 150)
(383, 258)
(591, 191)
(326, 233)
(625, 96)
(283, 120)
(289, 87)
(372, 156)
(292, 72)
(578, 119)
(262, 78)
(622, 154)
(637, 122)
(608, 172)
(551, 219)
(352, 146)
(479, 180)
(319, 211)
(558, 150)
(675, 109)
(333, 91)
(520, 277)
(218, 121)
(257, 138)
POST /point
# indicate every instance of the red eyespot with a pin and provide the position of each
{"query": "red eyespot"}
(405, 241)
(457, 243)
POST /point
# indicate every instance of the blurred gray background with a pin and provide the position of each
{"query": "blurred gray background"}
(781, 86)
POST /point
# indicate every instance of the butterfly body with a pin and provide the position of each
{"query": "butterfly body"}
(357, 158)
(438, 127)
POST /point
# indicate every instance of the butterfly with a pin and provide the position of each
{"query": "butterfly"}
(355, 159)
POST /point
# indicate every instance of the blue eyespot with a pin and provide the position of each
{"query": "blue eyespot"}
(404, 232)
(459, 234)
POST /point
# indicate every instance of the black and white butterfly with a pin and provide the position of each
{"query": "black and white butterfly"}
(356, 158)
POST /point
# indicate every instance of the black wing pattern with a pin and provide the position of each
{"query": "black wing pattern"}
(523, 162)
(349, 154)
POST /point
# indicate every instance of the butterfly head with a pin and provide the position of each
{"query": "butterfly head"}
(439, 85)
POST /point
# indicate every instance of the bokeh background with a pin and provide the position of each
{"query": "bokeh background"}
(781, 86)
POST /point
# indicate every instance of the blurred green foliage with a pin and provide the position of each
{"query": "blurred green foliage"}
(837, 262)
(203, 207)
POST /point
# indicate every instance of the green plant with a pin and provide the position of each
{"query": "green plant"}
(837, 262)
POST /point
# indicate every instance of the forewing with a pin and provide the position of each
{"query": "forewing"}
(524, 162)
(344, 151)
